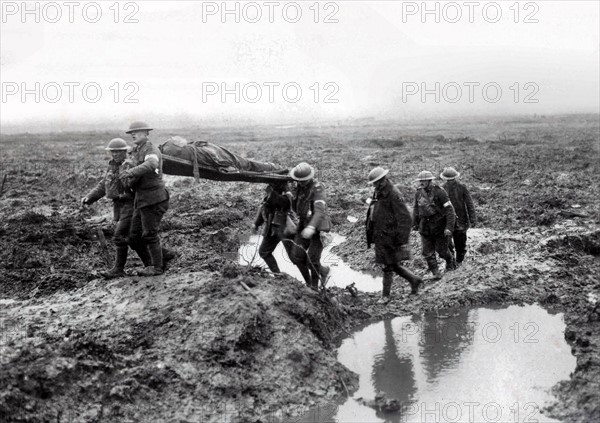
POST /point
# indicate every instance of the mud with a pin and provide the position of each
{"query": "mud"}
(172, 348)
(195, 343)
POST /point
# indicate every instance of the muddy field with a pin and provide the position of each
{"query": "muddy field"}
(194, 345)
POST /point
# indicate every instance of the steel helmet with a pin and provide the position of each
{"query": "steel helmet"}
(302, 172)
(449, 173)
(425, 175)
(138, 126)
(376, 174)
(117, 144)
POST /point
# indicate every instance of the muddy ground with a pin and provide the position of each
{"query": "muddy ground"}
(196, 345)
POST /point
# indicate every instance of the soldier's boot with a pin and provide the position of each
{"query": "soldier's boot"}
(157, 261)
(388, 278)
(143, 254)
(305, 273)
(433, 268)
(459, 259)
(414, 280)
(272, 263)
(120, 260)
(450, 264)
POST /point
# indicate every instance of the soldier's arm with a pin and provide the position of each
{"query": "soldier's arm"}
(447, 208)
(403, 219)
(369, 227)
(126, 192)
(416, 217)
(97, 192)
(259, 219)
(292, 194)
(470, 206)
(319, 206)
(149, 165)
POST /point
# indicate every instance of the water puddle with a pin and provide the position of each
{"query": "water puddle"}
(341, 274)
(468, 365)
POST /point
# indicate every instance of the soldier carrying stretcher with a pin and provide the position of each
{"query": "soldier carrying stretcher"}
(122, 197)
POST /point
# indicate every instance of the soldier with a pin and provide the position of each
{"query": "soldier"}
(111, 187)
(309, 203)
(122, 197)
(151, 197)
(272, 214)
(388, 227)
(434, 218)
(464, 208)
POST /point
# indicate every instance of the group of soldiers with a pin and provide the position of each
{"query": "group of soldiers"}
(296, 216)
(303, 242)
(441, 214)
(134, 183)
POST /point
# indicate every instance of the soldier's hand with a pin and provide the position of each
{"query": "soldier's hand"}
(447, 232)
(84, 201)
(308, 232)
(123, 176)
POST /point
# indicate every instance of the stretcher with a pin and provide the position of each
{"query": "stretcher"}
(205, 160)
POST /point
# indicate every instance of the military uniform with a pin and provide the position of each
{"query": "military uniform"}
(309, 203)
(111, 187)
(389, 223)
(465, 216)
(433, 213)
(151, 200)
(272, 214)
(388, 227)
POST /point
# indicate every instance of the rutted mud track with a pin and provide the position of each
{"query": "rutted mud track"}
(194, 341)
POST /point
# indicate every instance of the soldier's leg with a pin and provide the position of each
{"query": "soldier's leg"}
(460, 241)
(135, 238)
(441, 246)
(388, 278)
(151, 217)
(299, 258)
(265, 251)
(315, 250)
(451, 242)
(414, 280)
(120, 238)
(428, 245)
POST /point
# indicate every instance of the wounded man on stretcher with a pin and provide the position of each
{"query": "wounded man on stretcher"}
(202, 159)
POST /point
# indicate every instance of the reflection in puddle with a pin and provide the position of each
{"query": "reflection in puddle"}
(478, 365)
(341, 274)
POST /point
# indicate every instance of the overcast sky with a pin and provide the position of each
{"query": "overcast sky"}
(374, 61)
